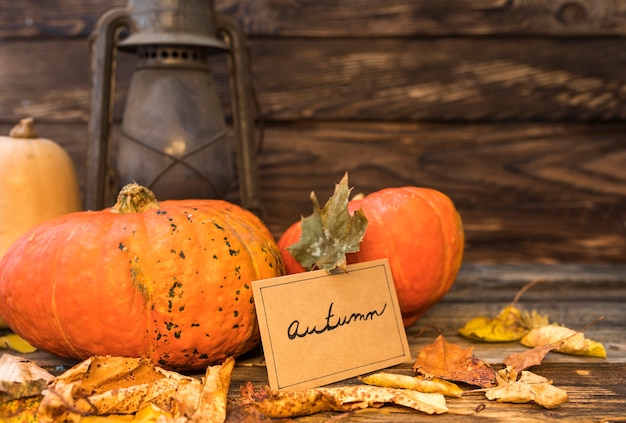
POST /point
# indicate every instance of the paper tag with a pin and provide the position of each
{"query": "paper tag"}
(319, 328)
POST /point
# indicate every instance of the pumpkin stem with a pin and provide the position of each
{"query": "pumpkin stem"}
(134, 198)
(24, 129)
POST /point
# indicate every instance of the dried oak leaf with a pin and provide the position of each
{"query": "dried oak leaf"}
(285, 404)
(569, 340)
(416, 383)
(529, 387)
(449, 361)
(330, 232)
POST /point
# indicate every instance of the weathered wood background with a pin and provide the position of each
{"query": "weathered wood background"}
(514, 108)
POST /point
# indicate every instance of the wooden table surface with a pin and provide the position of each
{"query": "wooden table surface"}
(572, 295)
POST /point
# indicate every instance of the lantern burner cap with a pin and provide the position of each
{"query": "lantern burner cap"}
(190, 57)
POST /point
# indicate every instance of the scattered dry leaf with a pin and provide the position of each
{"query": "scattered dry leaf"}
(214, 396)
(535, 320)
(529, 388)
(569, 340)
(149, 414)
(21, 378)
(511, 324)
(507, 326)
(416, 383)
(534, 357)
(122, 386)
(449, 361)
(16, 343)
(22, 410)
(284, 404)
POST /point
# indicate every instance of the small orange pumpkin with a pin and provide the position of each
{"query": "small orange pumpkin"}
(421, 234)
(169, 281)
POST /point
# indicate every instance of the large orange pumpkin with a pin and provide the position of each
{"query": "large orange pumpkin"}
(421, 234)
(169, 281)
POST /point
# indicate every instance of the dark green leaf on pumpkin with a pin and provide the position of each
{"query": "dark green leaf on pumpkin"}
(330, 232)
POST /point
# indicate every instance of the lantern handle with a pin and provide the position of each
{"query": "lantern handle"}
(243, 116)
(103, 65)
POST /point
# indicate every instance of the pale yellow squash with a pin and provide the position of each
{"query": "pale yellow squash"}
(37, 182)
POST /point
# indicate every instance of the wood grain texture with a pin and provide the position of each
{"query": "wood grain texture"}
(543, 192)
(368, 80)
(349, 18)
(572, 295)
(514, 108)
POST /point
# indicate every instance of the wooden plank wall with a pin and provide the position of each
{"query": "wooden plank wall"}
(514, 108)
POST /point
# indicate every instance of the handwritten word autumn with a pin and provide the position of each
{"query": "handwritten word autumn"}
(331, 322)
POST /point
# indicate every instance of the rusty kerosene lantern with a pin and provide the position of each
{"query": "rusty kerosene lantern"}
(173, 137)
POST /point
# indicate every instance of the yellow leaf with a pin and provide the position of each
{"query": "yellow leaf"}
(416, 383)
(22, 410)
(16, 343)
(572, 342)
(535, 320)
(507, 326)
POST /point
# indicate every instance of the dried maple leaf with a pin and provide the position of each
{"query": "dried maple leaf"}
(330, 232)
(284, 404)
(451, 362)
(570, 341)
(416, 383)
(529, 388)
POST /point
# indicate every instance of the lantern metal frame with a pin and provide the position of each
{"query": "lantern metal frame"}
(105, 43)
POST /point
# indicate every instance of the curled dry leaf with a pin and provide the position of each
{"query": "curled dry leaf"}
(121, 386)
(449, 361)
(569, 340)
(534, 357)
(284, 404)
(529, 387)
(21, 378)
(416, 383)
